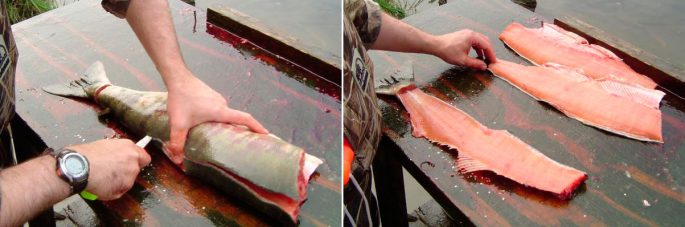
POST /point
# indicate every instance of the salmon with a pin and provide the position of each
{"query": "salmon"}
(480, 148)
(627, 110)
(551, 43)
(264, 171)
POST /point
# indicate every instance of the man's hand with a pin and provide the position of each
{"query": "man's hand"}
(33, 186)
(114, 166)
(192, 102)
(454, 48)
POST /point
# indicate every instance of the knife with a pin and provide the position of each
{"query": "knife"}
(144, 141)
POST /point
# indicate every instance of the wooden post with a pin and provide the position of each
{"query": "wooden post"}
(387, 172)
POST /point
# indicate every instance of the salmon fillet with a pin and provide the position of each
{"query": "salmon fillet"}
(481, 148)
(551, 43)
(616, 107)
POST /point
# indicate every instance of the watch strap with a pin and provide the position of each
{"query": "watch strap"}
(79, 185)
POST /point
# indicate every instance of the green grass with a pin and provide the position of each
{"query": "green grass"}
(390, 7)
(19, 10)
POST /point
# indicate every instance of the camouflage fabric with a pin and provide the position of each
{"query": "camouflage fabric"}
(8, 64)
(366, 18)
(116, 7)
(362, 119)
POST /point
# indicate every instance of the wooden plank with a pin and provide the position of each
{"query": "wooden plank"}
(666, 74)
(322, 57)
(389, 181)
(630, 182)
(292, 103)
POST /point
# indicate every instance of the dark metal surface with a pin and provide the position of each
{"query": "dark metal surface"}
(298, 106)
(630, 182)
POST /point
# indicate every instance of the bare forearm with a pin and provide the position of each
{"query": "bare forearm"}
(29, 188)
(396, 35)
(151, 21)
(453, 48)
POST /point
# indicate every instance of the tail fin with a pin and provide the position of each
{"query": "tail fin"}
(95, 74)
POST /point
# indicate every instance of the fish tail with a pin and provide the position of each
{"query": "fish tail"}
(84, 87)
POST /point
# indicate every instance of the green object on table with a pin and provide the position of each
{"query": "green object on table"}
(89, 196)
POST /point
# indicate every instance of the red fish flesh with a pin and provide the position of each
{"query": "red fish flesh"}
(481, 148)
(551, 43)
(620, 108)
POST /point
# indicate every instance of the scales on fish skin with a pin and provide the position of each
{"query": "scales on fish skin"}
(264, 171)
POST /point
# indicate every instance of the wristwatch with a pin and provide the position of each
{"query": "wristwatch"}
(73, 168)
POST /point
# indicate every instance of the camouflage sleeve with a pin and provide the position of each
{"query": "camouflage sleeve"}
(366, 17)
(116, 7)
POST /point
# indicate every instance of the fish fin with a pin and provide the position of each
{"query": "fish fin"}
(466, 164)
(73, 89)
(648, 97)
(104, 112)
(95, 74)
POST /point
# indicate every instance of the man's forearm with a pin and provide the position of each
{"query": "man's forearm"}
(152, 23)
(396, 35)
(29, 188)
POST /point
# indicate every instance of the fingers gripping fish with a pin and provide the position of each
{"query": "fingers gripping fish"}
(264, 171)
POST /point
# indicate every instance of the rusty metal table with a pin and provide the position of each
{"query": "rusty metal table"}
(291, 102)
(630, 182)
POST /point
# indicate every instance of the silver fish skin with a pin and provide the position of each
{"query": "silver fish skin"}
(215, 151)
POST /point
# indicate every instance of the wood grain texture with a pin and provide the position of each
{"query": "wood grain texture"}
(630, 182)
(298, 106)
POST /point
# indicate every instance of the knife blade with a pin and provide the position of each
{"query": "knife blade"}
(144, 141)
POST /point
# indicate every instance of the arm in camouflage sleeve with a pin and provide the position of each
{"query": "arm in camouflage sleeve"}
(366, 17)
(190, 101)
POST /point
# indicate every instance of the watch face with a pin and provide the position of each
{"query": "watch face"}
(75, 165)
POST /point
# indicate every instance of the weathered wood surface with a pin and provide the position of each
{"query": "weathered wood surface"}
(630, 182)
(306, 32)
(668, 75)
(294, 104)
